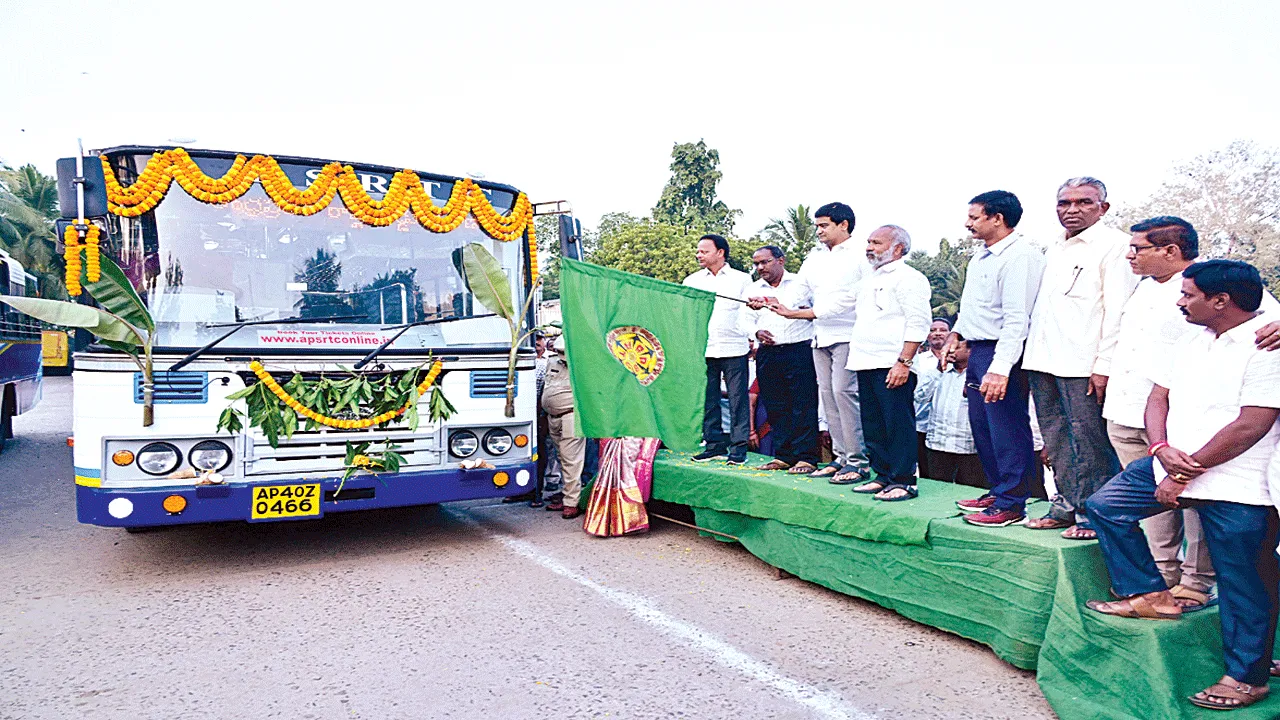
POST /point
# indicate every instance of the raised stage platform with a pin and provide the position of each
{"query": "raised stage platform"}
(1019, 591)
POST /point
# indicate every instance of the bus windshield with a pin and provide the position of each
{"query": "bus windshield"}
(199, 265)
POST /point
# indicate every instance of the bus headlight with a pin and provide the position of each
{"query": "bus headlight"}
(463, 444)
(159, 458)
(497, 441)
(210, 455)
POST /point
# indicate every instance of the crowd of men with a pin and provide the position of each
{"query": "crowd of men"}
(1150, 375)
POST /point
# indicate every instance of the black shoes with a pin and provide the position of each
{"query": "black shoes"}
(706, 455)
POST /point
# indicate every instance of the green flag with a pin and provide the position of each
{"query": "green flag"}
(636, 350)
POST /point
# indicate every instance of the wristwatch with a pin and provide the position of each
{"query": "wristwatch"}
(906, 361)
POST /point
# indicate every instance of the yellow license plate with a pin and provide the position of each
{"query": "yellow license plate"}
(285, 501)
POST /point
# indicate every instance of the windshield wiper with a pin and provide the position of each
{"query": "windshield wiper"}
(235, 327)
(405, 328)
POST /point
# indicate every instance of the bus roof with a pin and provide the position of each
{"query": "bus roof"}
(294, 159)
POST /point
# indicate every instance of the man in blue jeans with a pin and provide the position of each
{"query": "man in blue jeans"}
(1211, 420)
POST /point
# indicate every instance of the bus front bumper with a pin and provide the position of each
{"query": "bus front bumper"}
(258, 502)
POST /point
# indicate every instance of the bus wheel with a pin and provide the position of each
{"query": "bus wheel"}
(6, 418)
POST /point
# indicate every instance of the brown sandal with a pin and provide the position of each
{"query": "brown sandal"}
(1194, 599)
(1077, 532)
(1229, 694)
(773, 465)
(802, 468)
(1048, 522)
(1137, 606)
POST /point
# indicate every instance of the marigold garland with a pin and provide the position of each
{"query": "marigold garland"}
(292, 402)
(72, 254)
(405, 193)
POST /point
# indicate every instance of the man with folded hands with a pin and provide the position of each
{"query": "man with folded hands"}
(1211, 420)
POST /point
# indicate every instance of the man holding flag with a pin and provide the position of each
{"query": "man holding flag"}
(727, 350)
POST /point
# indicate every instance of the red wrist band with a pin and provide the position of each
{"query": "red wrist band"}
(1155, 447)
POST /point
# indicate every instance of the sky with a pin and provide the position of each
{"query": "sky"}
(902, 110)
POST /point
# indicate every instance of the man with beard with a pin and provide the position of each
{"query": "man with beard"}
(892, 321)
(784, 364)
(1211, 419)
(1068, 360)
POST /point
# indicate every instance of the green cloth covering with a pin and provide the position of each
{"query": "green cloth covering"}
(610, 400)
(1019, 591)
(802, 500)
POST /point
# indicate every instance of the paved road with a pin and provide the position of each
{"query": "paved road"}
(476, 610)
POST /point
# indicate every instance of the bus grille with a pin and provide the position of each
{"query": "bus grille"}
(323, 452)
(175, 388)
(490, 383)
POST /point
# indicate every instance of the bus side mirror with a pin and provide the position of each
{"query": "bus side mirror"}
(95, 188)
(570, 237)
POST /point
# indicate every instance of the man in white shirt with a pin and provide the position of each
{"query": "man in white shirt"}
(1000, 289)
(727, 350)
(892, 321)
(1068, 357)
(832, 278)
(1211, 419)
(1150, 327)
(784, 364)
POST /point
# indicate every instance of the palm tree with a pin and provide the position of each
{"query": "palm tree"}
(796, 235)
(28, 209)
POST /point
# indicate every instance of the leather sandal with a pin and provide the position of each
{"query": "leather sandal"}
(1049, 522)
(1195, 600)
(802, 468)
(1138, 606)
(570, 513)
(1229, 694)
(773, 465)
(1080, 531)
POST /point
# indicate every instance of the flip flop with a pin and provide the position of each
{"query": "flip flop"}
(911, 491)
(802, 468)
(866, 487)
(1229, 694)
(827, 470)
(848, 475)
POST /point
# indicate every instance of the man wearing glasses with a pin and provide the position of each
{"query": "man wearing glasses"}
(1074, 329)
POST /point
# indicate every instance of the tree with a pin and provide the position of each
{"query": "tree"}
(689, 199)
(656, 249)
(795, 234)
(28, 209)
(946, 272)
(1232, 197)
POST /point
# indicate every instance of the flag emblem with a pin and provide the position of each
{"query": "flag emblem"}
(638, 350)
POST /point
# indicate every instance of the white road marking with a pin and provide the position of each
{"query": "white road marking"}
(823, 703)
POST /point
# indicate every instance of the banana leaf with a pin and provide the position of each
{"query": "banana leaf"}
(103, 324)
(115, 293)
(487, 281)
